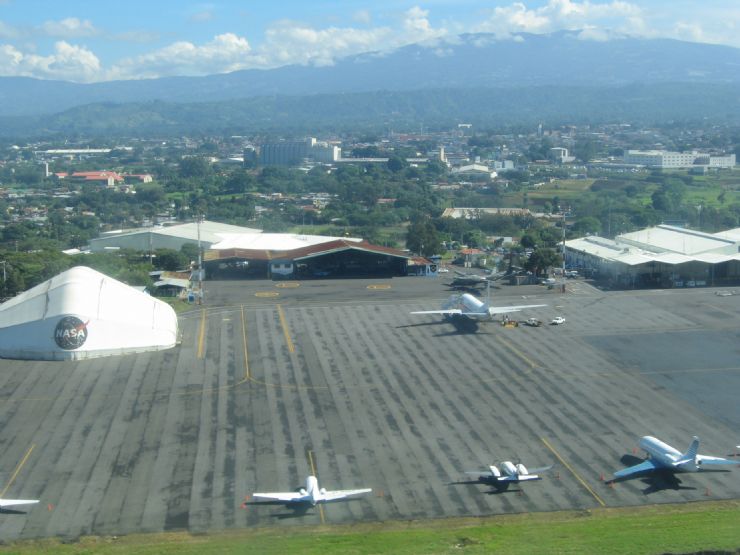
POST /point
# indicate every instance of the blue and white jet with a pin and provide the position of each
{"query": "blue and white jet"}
(665, 457)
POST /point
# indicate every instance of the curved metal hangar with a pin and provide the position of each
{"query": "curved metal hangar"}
(321, 257)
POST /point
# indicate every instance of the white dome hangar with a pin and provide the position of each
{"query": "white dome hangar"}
(82, 314)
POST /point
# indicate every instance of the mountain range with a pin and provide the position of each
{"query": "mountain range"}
(473, 63)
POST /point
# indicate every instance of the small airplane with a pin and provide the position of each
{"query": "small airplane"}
(468, 279)
(468, 307)
(665, 457)
(311, 494)
(15, 502)
(509, 473)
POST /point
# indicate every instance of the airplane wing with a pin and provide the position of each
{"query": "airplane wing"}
(449, 312)
(525, 478)
(14, 502)
(505, 309)
(706, 459)
(287, 496)
(343, 493)
(541, 469)
(642, 467)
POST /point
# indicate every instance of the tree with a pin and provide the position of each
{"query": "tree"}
(396, 164)
(585, 149)
(541, 259)
(527, 241)
(586, 226)
(422, 238)
(170, 260)
(194, 167)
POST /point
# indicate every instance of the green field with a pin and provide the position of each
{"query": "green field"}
(684, 528)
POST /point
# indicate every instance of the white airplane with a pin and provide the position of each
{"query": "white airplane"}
(15, 502)
(509, 473)
(467, 306)
(665, 457)
(311, 494)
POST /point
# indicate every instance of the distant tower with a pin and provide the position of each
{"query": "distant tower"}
(46, 169)
(539, 130)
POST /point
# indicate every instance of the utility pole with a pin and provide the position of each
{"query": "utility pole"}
(563, 274)
(201, 296)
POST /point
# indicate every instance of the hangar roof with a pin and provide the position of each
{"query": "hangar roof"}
(304, 252)
(731, 234)
(664, 238)
(210, 232)
(614, 251)
(276, 242)
(341, 245)
(102, 314)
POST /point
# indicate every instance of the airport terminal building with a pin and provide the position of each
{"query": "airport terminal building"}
(660, 256)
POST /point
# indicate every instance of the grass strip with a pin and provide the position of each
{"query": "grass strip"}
(684, 528)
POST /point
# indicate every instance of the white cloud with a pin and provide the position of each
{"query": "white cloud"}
(289, 42)
(362, 16)
(226, 52)
(201, 17)
(68, 62)
(8, 31)
(689, 31)
(613, 17)
(69, 28)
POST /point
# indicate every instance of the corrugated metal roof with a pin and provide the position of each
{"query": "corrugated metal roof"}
(310, 251)
(276, 242)
(674, 239)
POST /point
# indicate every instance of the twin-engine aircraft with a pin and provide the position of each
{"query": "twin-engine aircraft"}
(665, 457)
(311, 494)
(508, 473)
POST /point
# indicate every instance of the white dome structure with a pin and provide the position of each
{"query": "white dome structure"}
(83, 314)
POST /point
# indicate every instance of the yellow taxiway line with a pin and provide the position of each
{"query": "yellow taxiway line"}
(570, 468)
(16, 471)
(246, 355)
(286, 332)
(313, 472)
(202, 332)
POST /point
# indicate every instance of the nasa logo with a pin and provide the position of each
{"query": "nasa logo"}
(70, 333)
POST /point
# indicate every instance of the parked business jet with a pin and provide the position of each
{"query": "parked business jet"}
(311, 494)
(467, 306)
(665, 457)
(15, 502)
(508, 473)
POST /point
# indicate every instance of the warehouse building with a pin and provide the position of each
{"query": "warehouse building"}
(660, 256)
(168, 237)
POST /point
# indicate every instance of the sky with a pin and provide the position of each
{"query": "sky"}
(101, 40)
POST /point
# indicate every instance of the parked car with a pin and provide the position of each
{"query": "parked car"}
(557, 321)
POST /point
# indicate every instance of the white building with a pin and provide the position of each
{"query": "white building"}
(561, 155)
(167, 237)
(668, 159)
(474, 170)
(82, 314)
(660, 256)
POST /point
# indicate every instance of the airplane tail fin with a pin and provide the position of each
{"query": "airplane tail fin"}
(690, 460)
(692, 451)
